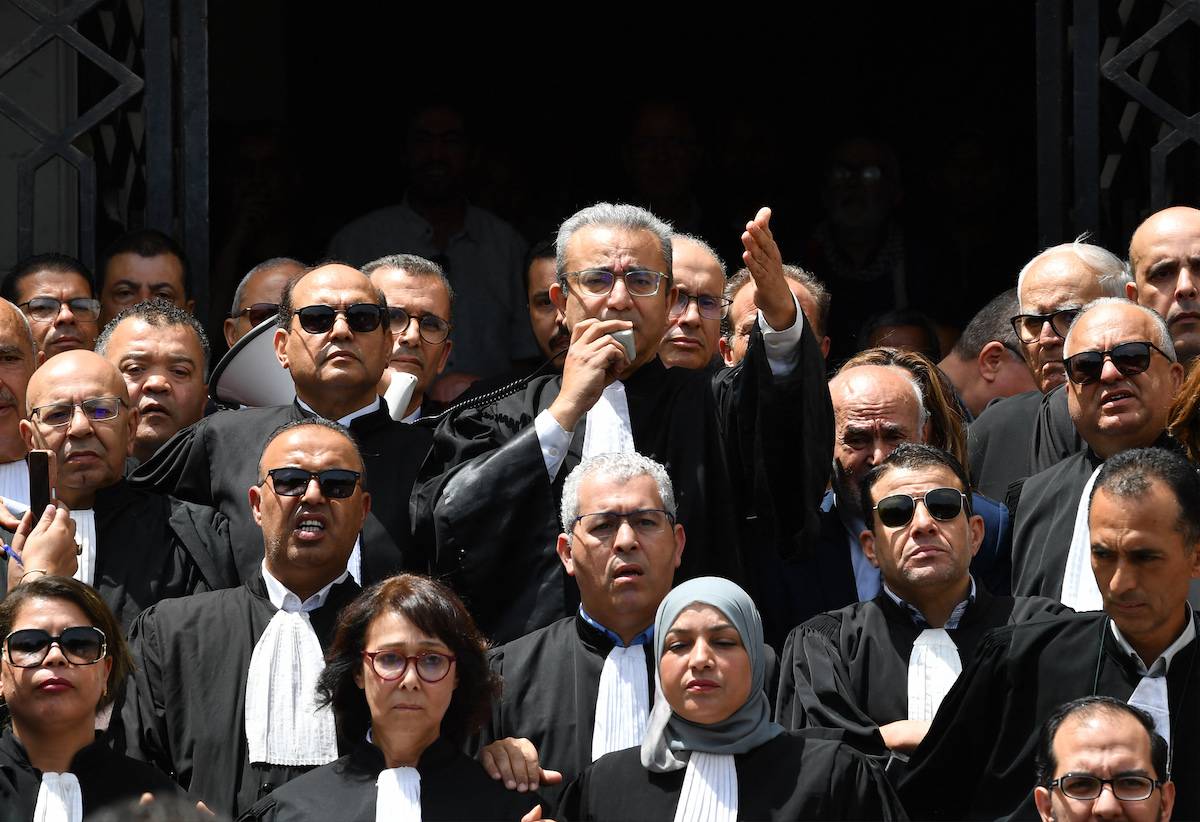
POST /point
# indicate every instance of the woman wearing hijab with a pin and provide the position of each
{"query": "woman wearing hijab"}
(711, 752)
(408, 680)
(63, 660)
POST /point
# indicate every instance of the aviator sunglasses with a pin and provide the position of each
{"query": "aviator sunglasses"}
(335, 483)
(361, 317)
(942, 504)
(1129, 358)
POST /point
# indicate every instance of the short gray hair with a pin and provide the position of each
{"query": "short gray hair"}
(265, 265)
(706, 248)
(621, 467)
(807, 279)
(415, 266)
(1164, 335)
(613, 215)
(1112, 273)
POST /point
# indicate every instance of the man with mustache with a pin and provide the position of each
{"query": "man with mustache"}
(134, 547)
(419, 300)
(163, 353)
(55, 292)
(1164, 255)
(545, 319)
(334, 339)
(1051, 288)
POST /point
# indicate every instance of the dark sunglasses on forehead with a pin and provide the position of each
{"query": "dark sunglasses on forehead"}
(1130, 358)
(361, 317)
(942, 504)
(81, 645)
(257, 313)
(335, 483)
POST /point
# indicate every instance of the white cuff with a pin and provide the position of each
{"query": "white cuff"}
(782, 347)
(554, 441)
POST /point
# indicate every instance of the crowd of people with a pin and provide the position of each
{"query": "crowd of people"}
(649, 549)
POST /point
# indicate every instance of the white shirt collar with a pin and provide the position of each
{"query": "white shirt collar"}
(285, 600)
(353, 415)
(1188, 634)
(414, 416)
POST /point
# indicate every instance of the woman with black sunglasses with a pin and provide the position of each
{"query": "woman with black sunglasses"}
(409, 682)
(63, 659)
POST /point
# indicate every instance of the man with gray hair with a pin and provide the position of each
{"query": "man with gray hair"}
(584, 685)
(1123, 377)
(1051, 288)
(987, 363)
(257, 296)
(814, 298)
(690, 340)
(420, 301)
(747, 447)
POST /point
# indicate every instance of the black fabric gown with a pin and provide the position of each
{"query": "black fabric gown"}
(849, 669)
(104, 778)
(551, 680)
(215, 461)
(791, 777)
(977, 762)
(151, 547)
(454, 788)
(748, 454)
(184, 708)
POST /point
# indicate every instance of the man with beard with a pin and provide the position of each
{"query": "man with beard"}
(1164, 254)
(1051, 289)
(691, 337)
(420, 301)
(162, 352)
(55, 292)
(480, 253)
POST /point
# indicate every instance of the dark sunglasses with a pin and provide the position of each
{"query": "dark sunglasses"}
(257, 313)
(1129, 358)
(361, 317)
(335, 483)
(942, 504)
(81, 645)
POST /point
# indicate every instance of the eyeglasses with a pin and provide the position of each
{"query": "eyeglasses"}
(81, 645)
(942, 504)
(45, 309)
(597, 282)
(98, 409)
(1128, 788)
(335, 483)
(361, 317)
(1028, 327)
(391, 665)
(1130, 358)
(712, 308)
(645, 522)
(432, 328)
(257, 313)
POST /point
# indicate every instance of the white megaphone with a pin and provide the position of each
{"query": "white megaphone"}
(250, 374)
(399, 393)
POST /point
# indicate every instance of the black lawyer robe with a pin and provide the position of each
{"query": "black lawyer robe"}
(184, 708)
(977, 761)
(848, 669)
(551, 679)
(792, 777)
(104, 778)
(454, 788)
(215, 461)
(747, 452)
(151, 547)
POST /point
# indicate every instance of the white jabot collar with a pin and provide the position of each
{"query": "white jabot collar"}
(622, 701)
(710, 789)
(933, 668)
(59, 799)
(608, 429)
(285, 600)
(1079, 588)
(14, 481)
(398, 795)
(349, 418)
(85, 537)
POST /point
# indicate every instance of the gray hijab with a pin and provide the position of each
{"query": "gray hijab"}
(670, 738)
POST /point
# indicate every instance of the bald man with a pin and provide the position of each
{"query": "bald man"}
(334, 338)
(133, 547)
(257, 295)
(17, 361)
(694, 325)
(1164, 254)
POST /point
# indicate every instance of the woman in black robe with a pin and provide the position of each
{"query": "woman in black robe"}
(63, 661)
(407, 678)
(711, 752)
